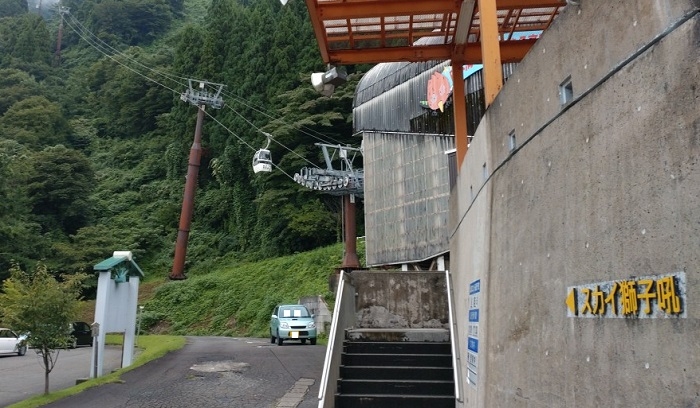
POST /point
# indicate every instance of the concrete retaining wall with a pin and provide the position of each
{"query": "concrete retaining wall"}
(391, 299)
(601, 191)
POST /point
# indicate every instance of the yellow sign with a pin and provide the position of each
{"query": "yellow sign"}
(644, 297)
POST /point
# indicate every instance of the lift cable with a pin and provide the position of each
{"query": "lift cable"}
(121, 63)
(182, 81)
(244, 142)
(305, 130)
(269, 136)
(112, 53)
(101, 50)
(100, 45)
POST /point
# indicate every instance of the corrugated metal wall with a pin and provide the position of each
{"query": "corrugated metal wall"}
(406, 170)
(406, 196)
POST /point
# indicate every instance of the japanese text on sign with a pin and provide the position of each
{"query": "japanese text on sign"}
(473, 332)
(642, 297)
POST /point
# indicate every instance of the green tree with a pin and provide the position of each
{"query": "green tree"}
(20, 238)
(25, 44)
(9, 8)
(16, 85)
(38, 304)
(35, 122)
(125, 104)
(59, 187)
(132, 21)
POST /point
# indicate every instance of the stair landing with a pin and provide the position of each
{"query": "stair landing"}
(399, 334)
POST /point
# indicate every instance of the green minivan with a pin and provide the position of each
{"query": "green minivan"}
(292, 322)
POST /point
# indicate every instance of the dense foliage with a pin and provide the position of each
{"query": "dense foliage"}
(94, 139)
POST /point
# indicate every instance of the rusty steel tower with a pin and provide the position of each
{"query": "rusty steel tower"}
(201, 98)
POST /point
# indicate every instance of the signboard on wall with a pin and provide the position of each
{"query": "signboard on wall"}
(644, 297)
(473, 332)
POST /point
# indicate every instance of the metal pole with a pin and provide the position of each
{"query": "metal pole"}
(138, 330)
(95, 350)
(350, 260)
(188, 200)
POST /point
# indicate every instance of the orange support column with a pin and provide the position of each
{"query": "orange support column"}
(460, 112)
(490, 50)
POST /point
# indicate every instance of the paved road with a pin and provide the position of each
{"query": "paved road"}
(23, 377)
(216, 372)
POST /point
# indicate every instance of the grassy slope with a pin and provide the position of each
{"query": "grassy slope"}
(237, 299)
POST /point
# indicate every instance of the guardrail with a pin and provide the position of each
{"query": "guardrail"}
(343, 318)
(456, 362)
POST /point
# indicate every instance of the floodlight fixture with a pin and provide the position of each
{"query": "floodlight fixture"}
(325, 82)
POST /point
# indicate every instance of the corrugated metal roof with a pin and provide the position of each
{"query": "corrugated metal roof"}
(113, 261)
(388, 97)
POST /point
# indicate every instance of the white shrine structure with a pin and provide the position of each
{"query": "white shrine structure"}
(116, 308)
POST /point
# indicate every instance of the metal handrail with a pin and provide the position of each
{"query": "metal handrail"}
(456, 362)
(331, 340)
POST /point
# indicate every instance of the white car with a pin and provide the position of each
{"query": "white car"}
(11, 342)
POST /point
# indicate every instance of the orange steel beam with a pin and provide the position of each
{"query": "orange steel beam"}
(515, 24)
(525, 4)
(490, 50)
(393, 8)
(511, 51)
(382, 8)
(461, 33)
(378, 36)
(366, 23)
(377, 55)
(318, 30)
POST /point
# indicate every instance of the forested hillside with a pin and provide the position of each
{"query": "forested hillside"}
(94, 138)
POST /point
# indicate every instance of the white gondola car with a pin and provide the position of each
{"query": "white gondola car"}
(262, 161)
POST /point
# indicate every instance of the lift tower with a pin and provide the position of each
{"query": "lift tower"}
(347, 182)
(201, 98)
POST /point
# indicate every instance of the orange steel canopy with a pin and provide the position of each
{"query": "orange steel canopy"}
(373, 31)
(463, 31)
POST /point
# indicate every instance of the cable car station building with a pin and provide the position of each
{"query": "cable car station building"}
(568, 212)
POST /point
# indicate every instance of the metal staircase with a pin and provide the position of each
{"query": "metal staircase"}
(402, 374)
(392, 342)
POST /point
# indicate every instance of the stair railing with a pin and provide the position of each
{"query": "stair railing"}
(456, 362)
(343, 318)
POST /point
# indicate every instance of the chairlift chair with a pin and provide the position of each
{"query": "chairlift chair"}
(262, 160)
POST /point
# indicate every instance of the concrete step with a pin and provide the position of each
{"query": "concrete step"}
(400, 347)
(393, 401)
(403, 387)
(397, 373)
(396, 360)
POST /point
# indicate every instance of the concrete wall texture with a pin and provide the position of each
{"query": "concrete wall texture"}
(400, 300)
(599, 193)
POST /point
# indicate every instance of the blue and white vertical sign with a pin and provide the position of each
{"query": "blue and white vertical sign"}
(473, 332)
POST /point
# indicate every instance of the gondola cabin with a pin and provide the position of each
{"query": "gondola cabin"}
(262, 161)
